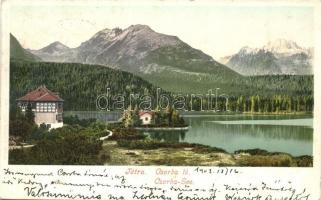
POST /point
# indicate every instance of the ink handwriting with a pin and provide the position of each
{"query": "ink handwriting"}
(161, 183)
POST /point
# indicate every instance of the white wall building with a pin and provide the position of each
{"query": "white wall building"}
(146, 117)
(46, 105)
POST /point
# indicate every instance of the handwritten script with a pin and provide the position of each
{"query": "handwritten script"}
(163, 183)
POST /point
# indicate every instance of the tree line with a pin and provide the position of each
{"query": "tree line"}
(80, 85)
(159, 118)
(274, 104)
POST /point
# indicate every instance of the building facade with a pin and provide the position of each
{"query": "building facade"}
(46, 105)
(146, 117)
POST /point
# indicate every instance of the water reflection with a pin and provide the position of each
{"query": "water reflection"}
(296, 140)
(168, 136)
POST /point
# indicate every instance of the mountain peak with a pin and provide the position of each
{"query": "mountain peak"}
(59, 45)
(283, 43)
(134, 41)
(54, 47)
(280, 56)
(283, 46)
(138, 27)
(248, 50)
(107, 33)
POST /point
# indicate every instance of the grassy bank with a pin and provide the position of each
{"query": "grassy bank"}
(76, 144)
(129, 148)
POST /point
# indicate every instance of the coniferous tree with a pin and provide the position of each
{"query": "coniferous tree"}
(30, 116)
(135, 116)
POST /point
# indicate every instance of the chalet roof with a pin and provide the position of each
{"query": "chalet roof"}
(146, 112)
(41, 94)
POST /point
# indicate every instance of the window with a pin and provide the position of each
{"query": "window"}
(59, 117)
(146, 118)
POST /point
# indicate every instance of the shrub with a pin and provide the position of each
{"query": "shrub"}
(304, 161)
(18, 156)
(105, 157)
(73, 120)
(117, 125)
(155, 144)
(267, 161)
(126, 134)
(21, 128)
(260, 152)
(67, 146)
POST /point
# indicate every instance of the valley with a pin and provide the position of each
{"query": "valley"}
(241, 113)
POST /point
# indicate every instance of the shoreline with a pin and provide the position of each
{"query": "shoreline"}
(185, 128)
(180, 154)
(72, 112)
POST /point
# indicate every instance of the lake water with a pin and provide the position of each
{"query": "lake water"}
(275, 133)
(290, 134)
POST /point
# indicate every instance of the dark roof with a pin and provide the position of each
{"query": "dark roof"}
(41, 94)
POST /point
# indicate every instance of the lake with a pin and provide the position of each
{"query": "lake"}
(275, 133)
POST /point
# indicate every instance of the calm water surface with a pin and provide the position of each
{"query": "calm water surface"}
(290, 134)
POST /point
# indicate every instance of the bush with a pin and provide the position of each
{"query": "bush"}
(155, 144)
(21, 128)
(18, 156)
(208, 149)
(139, 144)
(267, 161)
(21, 125)
(40, 133)
(67, 146)
(105, 157)
(258, 152)
(117, 125)
(126, 134)
(304, 161)
(74, 120)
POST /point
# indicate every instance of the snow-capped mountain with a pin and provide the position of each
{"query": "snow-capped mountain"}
(254, 61)
(284, 47)
(276, 57)
(248, 50)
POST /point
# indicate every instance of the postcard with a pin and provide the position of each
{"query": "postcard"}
(188, 100)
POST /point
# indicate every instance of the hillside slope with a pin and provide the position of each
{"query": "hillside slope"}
(78, 84)
(17, 52)
(140, 50)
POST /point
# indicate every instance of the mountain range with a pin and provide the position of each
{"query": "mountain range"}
(277, 57)
(132, 49)
(163, 60)
(169, 63)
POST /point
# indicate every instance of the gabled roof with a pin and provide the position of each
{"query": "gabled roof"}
(141, 113)
(41, 94)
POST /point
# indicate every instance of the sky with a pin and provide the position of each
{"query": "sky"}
(216, 29)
